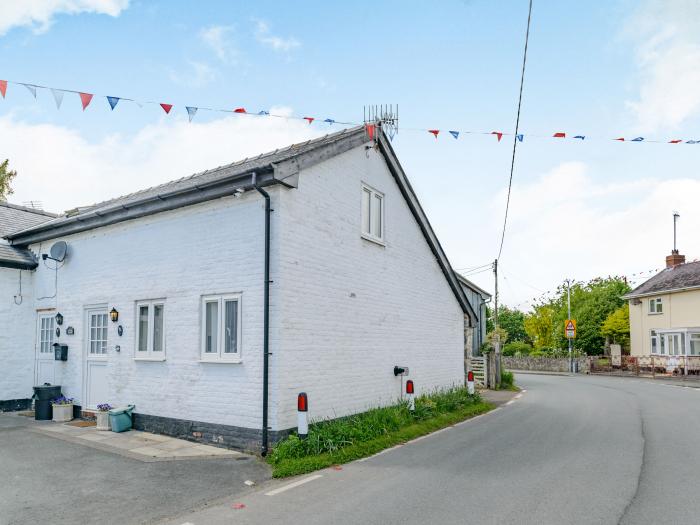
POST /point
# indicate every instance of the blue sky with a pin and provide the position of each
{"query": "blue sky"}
(580, 209)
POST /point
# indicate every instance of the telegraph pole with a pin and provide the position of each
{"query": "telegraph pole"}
(496, 336)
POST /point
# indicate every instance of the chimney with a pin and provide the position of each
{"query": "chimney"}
(674, 259)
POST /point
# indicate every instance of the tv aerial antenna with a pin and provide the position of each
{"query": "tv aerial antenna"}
(386, 116)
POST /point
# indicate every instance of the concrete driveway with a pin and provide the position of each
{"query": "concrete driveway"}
(50, 480)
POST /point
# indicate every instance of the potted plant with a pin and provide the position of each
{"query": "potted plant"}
(103, 416)
(62, 409)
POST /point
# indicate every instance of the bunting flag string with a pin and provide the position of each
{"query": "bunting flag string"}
(58, 97)
(192, 111)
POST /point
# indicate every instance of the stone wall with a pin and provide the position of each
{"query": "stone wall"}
(543, 364)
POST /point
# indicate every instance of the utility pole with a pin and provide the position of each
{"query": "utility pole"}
(496, 337)
(568, 301)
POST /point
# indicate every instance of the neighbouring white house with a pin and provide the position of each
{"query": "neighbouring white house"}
(212, 301)
(665, 316)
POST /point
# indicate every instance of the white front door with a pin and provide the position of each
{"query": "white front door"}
(96, 380)
(45, 364)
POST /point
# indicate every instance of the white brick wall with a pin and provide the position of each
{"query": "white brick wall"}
(351, 309)
(212, 248)
(343, 311)
(16, 336)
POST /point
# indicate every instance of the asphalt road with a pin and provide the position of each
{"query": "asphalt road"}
(570, 450)
(47, 480)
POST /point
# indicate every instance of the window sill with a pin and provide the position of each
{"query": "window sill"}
(373, 240)
(221, 361)
(155, 359)
(655, 313)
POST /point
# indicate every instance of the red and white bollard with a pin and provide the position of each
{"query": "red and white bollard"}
(470, 382)
(410, 395)
(302, 415)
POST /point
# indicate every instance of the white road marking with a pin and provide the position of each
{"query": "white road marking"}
(295, 484)
(509, 402)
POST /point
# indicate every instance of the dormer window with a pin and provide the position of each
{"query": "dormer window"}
(656, 306)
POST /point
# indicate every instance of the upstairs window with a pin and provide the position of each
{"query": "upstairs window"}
(150, 335)
(372, 214)
(656, 306)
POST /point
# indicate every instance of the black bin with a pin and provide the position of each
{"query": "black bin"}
(42, 401)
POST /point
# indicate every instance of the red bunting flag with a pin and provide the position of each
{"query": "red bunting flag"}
(621, 139)
(3, 87)
(310, 119)
(240, 110)
(675, 141)
(559, 135)
(85, 99)
(435, 132)
(370, 131)
(498, 134)
(166, 107)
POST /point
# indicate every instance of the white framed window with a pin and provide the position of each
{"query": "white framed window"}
(372, 214)
(97, 330)
(221, 328)
(694, 344)
(654, 337)
(46, 331)
(150, 329)
(656, 306)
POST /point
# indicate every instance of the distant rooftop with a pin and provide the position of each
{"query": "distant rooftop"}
(675, 278)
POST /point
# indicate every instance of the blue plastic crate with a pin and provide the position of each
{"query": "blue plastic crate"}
(121, 419)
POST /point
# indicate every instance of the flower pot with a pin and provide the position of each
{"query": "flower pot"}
(103, 420)
(62, 413)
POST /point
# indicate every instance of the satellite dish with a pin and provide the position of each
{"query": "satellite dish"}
(58, 251)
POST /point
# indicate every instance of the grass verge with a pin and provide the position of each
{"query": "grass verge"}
(332, 443)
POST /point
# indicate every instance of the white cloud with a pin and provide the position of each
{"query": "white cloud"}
(565, 224)
(39, 14)
(220, 41)
(198, 74)
(63, 169)
(666, 34)
(263, 35)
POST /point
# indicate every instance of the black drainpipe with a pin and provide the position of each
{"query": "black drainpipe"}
(266, 319)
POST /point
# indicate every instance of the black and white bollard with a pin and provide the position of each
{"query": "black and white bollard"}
(410, 395)
(470, 382)
(302, 415)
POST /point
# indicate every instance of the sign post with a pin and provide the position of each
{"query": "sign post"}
(570, 327)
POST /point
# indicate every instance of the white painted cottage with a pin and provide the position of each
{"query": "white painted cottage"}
(358, 284)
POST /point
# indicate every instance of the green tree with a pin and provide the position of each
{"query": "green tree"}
(513, 322)
(617, 326)
(539, 326)
(6, 176)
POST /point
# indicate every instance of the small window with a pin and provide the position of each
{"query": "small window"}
(656, 306)
(221, 328)
(372, 214)
(97, 328)
(150, 326)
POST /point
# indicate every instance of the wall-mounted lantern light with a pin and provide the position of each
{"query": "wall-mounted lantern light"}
(59, 319)
(114, 315)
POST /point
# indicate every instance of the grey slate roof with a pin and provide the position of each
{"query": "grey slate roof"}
(679, 277)
(198, 180)
(14, 218)
(277, 167)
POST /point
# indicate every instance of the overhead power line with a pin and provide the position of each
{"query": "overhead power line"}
(517, 126)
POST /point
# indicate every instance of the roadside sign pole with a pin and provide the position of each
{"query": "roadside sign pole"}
(568, 301)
